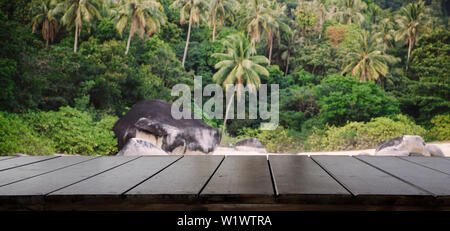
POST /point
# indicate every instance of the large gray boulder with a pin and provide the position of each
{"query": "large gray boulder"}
(403, 146)
(250, 145)
(140, 147)
(434, 150)
(151, 120)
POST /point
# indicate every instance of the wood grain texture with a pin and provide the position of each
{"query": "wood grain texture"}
(185, 177)
(38, 168)
(435, 163)
(118, 180)
(430, 180)
(21, 161)
(301, 175)
(230, 183)
(363, 179)
(44, 184)
(241, 179)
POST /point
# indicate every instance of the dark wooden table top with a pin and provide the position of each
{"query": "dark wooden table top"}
(273, 182)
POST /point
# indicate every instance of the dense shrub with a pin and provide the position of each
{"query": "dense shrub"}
(100, 75)
(74, 132)
(318, 59)
(441, 127)
(361, 135)
(279, 140)
(16, 136)
(429, 87)
(297, 105)
(345, 99)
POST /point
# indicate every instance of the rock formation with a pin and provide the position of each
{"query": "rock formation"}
(152, 121)
(407, 145)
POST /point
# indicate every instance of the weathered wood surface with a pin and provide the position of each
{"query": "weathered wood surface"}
(241, 178)
(300, 178)
(439, 164)
(432, 181)
(120, 179)
(38, 168)
(182, 180)
(274, 182)
(362, 179)
(6, 157)
(17, 162)
(50, 182)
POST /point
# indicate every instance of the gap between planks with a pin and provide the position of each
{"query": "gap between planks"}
(40, 174)
(93, 175)
(8, 157)
(390, 174)
(333, 176)
(422, 165)
(173, 162)
(27, 163)
(210, 177)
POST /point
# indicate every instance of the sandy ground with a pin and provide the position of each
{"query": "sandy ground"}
(445, 147)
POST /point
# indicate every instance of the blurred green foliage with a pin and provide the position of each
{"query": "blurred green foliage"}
(16, 136)
(54, 100)
(67, 130)
(441, 127)
(362, 135)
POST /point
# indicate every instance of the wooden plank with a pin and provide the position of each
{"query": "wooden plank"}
(21, 161)
(44, 184)
(241, 179)
(6, 157)
(362, 179)
(38, 168)
(185, 178)
(438, 164)
(432, 181)
(118, 180)
(301, 175)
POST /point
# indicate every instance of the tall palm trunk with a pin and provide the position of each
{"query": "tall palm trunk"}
(410, 45)
(46, 31)
(76, 39)
(287, 63)
(214, 28)
(129, 41)
(226, 112)
(187, 39)
(270, 50)
(321, 26)
(409, 48)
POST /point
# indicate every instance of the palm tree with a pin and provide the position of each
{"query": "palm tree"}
(350, 11)
(374, 15)
(238, 65)
(275, 21)
(256, 19)
(219, 10)
(291, 41)
(412, 19)
(196, 9)
(366, 59)
(322, 13)
(142, 15)
(43, 12)
(109, 8)
(77, 12)
(386, 30)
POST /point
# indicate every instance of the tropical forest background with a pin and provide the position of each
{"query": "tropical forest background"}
(352, 73)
